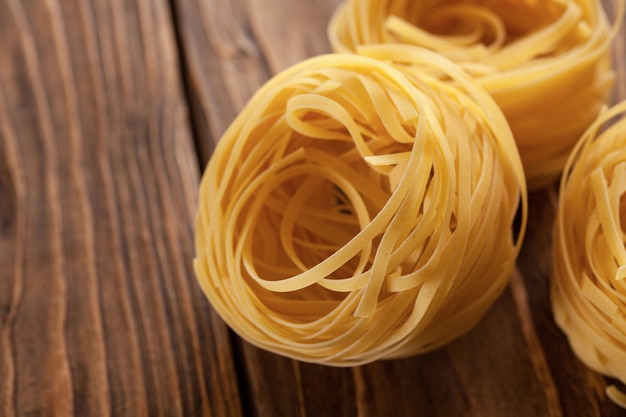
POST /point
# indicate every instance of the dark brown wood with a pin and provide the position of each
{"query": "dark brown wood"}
(109, 109)
(100, 313)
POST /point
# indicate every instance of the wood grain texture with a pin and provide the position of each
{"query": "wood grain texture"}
(100, 314)
(109, 109)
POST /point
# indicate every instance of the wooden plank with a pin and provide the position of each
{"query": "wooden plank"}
(223, 65)
(516, 362)
(228, 55)
(581, 392)
(100, 313)
(230, 48)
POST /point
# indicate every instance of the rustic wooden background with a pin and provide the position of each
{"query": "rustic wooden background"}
(109, 109)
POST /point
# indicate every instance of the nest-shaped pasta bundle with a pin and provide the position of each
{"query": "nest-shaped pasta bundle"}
(546, 63)
(589, 277)
(349, 214)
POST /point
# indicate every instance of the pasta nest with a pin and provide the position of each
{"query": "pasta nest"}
(589, 273)
(546, 63)
(355, 210)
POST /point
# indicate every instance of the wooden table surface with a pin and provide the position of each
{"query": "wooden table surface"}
(109, 110)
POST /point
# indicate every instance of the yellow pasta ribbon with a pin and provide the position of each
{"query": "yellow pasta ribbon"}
(546, 63)
(588, 288)
(355, 211)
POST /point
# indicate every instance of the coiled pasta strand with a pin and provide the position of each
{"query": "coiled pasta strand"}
(588, 284)
(546, 63)
(354, 211)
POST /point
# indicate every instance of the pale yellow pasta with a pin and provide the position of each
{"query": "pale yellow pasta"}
(588, 284)
(352, 213)
(546, 63)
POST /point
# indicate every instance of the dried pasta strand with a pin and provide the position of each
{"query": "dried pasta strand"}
(617, 396)
(587, 291)
(529, 55)
(355, 210)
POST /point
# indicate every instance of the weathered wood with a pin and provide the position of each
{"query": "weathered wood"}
(223, 64)
(574, 384)
(230, 50)
(106, 108)
(100, 313)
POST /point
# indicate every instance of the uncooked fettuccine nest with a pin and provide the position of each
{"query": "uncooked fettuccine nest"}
(546, 63)
(355, 210)
(589, 278)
